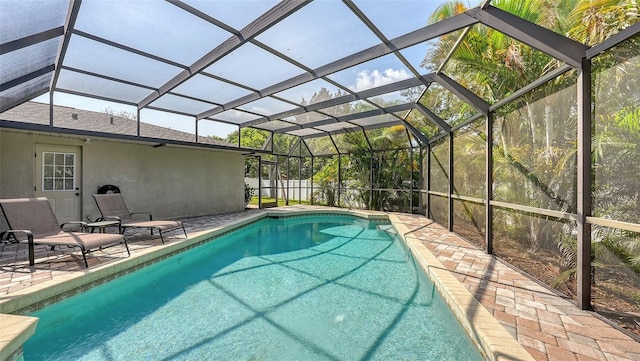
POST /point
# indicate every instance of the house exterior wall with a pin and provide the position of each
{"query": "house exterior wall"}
(167, 181)
(17, 163)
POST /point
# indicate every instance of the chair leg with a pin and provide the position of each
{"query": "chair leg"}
(126, 246)
(32, 256)
(185, 232)
(84, 256)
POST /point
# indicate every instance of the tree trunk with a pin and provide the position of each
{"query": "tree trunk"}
(532, 126)
(548, 122)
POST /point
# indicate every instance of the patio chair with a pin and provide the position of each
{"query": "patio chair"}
(32, 220)
(112, 207)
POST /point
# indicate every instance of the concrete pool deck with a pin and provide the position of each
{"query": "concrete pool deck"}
(510, 316)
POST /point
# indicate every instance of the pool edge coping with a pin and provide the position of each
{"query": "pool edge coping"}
(14, 332)
(483, 329)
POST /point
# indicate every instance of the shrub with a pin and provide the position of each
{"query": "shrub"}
(248, 193)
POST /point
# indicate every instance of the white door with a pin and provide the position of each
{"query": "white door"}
(58, 178)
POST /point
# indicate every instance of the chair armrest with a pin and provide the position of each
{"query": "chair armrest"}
(80, 224)
(4, 236)
(108, 218)
(29, 234)
(148, 214)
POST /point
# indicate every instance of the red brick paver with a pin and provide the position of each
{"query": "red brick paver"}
(547, 325)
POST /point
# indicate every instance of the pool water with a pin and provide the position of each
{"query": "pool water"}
(304, 288)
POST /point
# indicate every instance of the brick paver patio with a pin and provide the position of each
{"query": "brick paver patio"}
(548, 326)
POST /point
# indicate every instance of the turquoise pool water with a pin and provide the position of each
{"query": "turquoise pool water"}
(304, 288)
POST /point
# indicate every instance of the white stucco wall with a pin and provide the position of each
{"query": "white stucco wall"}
(173, 182)
(17, 163)
(166, 181)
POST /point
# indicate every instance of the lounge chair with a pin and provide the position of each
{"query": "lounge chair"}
(112, 207)
(32, 220)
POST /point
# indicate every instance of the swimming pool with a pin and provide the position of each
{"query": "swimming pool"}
(304, 288)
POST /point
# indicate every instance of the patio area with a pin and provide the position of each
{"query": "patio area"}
(547, 325)
(501, 135)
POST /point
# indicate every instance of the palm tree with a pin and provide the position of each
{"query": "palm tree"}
(534, 150)
(493, 65)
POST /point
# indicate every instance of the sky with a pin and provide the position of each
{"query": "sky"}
(307, 39)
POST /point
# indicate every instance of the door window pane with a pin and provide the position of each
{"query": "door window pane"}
(58, 170)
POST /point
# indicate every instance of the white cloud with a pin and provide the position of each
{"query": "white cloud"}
(261, 110)
(370, 79)
(235, 116)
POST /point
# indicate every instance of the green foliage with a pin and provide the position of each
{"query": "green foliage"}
(625, 245)
(563, 277)
(535, 136)
(628, 118)
(616, 140)
(593, 21)
(608, 246)
(218, 138)
(248, 193)
(326, 181)
(251, 167)
(249, 138)
(420, 122)
(389, 168)
(363, 169)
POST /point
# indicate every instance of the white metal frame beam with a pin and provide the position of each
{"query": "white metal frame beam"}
(255, 28)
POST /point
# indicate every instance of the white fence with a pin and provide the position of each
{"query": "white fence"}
(297, 189)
